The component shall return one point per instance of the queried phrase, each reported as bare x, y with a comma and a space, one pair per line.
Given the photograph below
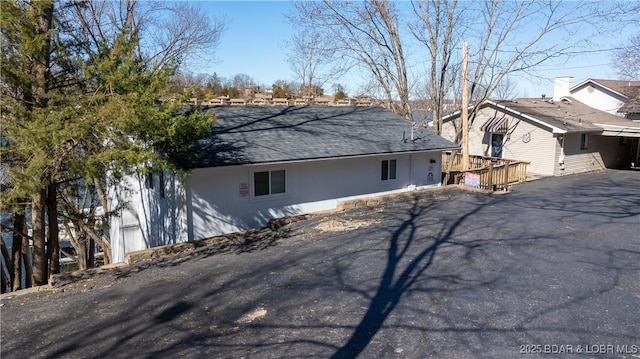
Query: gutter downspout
561, 158
412, 184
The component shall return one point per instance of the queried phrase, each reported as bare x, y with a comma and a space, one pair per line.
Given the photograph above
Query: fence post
490, 176
507, 168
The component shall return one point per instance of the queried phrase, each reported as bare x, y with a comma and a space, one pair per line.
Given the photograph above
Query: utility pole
465, 111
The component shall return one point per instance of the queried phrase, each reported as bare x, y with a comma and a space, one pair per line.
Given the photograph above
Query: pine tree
76, 107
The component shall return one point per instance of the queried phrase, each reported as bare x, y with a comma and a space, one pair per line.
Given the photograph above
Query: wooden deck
488, 173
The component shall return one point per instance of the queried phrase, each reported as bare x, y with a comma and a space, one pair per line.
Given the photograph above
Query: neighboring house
264, 162
631, 109
617, 97
556, 137
260, 102
324, 100
237, 102
219, 101
279, 101
349, 101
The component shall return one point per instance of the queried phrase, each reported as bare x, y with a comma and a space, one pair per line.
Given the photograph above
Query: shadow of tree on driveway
395, 281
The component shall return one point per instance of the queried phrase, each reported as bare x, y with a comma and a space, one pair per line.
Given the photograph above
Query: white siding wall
215, 201
147, 219
599, 98
216, 205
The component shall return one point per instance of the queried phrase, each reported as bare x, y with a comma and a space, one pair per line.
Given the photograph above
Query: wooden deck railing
486, 172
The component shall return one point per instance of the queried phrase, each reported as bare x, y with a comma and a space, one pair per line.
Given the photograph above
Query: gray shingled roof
573, 116
570, 117
267, 134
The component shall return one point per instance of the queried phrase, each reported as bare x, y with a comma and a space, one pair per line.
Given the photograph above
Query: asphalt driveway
550, 268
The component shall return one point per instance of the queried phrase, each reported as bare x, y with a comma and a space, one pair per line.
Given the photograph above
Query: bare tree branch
628, 58
364, 33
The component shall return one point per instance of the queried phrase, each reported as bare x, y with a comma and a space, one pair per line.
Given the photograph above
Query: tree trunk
40, 265
81, 254
91, 255
53, 245
40, 92
5, 283
19, 224
105, 209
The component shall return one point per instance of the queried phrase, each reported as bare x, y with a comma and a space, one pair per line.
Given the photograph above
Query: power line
573, 67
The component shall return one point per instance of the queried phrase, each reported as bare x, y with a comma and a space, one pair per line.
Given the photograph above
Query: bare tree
311, 61
505, 90
366, 34
628, 58
505, 37
170, 30
436, 27
242, 81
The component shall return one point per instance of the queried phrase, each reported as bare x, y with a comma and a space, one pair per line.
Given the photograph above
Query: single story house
557, 137
265, 162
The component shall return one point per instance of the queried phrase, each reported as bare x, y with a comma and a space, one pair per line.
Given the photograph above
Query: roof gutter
625, 129
555, 130
331, 158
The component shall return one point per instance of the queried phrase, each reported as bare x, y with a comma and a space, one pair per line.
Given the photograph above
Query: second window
388, 170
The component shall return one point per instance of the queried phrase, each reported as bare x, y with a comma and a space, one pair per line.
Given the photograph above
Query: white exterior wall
216, 201
217, 206
147, 218
599, 98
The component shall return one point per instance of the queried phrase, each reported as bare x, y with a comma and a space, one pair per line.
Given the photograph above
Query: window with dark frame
584, 141
388, 170
623, 141
155, 181
267, 183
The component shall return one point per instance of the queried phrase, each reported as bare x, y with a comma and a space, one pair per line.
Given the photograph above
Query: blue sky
255, 44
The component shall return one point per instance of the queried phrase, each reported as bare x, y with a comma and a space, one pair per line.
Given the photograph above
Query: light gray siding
219, 200
579, 160
525, 141
602, 152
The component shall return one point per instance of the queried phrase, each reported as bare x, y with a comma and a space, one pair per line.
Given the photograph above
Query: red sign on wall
244, 189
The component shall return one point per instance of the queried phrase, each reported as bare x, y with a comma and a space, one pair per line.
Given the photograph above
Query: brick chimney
561, 87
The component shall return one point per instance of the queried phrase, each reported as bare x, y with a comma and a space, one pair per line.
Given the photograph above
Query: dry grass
253, 315
338, 225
